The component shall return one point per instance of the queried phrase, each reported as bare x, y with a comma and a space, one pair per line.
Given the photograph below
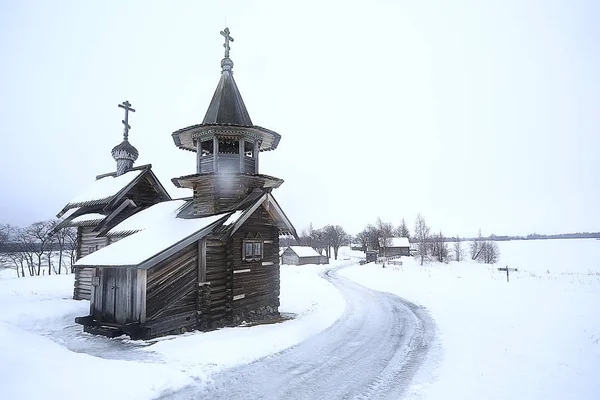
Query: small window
229, 146
258, 250
249, 249
248, 149
206, 148
92, 249
253, 250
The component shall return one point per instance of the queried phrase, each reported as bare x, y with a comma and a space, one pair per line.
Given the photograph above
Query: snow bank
537, 337
38, 338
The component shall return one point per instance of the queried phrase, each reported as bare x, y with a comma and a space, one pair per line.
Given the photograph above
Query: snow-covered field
43, 354
537, 337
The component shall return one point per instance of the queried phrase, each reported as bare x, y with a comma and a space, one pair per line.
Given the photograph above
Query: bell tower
227, 146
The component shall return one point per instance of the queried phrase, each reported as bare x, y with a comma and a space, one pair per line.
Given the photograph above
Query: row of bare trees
428, 245
37, 248
325, 239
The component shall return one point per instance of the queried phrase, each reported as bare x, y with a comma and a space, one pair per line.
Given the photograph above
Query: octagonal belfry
227, 146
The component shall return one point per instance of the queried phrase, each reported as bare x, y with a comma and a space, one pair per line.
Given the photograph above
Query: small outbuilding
397, 246
302, 255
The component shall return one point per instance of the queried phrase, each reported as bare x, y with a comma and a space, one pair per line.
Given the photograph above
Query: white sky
474, 113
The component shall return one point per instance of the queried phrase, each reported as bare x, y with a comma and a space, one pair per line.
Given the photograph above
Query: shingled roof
227, 105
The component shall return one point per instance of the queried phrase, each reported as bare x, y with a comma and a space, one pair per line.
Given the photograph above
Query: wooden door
113, 299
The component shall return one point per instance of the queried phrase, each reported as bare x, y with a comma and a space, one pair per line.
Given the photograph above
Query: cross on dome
228, 38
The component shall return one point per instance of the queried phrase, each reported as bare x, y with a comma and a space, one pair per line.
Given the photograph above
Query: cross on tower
228, 38
127, 106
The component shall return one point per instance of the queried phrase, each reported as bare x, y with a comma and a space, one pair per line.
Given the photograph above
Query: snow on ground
537, 337
39, 339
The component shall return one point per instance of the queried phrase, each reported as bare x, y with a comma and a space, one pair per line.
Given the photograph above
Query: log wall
218, 192
255, 284
219, 281
171, 292
86, 240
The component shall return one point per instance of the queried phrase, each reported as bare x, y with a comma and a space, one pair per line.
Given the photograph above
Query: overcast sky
473, 113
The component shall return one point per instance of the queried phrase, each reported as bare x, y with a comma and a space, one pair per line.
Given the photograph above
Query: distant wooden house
302, 255
396, 246
202, 262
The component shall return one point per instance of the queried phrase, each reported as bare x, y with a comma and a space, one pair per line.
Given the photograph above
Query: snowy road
371, 352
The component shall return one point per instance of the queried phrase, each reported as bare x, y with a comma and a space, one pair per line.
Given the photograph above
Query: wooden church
164, 266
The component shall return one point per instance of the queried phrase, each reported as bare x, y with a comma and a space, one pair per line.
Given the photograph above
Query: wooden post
255, 156
242, 156
507, 271
198, 156
215, 154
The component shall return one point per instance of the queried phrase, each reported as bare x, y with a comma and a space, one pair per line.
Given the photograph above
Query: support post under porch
242, 155
198, 156
215, 154
255, 155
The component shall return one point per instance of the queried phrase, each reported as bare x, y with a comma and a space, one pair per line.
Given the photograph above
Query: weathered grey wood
241, 156
215, 154
143, 286
255, 156
202, 260
140, 280
198, 156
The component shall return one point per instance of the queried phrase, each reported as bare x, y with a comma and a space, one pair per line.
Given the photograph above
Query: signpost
507, 271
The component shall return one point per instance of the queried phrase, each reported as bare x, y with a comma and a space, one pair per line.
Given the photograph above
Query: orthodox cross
127, 106
228, 38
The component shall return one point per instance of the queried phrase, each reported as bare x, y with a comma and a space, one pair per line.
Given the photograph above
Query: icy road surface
371, 352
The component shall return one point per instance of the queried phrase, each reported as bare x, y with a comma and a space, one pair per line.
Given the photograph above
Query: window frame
258, 250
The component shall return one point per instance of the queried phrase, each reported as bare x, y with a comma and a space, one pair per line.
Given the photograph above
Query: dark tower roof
226, 114
227, 106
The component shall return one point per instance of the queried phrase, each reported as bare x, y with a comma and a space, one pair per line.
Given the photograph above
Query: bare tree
40, 240
372, 235
439, 248
61, 239
421, 237
385, 232
490, 253
71, 240
458, 251
476, 246
336, 237
402, 230
21, 254
484, 251
319, 241
362, 239
6, 232
306, 236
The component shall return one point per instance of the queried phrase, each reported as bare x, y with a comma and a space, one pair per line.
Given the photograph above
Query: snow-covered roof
399, 242
70, 212
148, 217
86, 218
104, 188
234, 218
304, 251
158, 236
